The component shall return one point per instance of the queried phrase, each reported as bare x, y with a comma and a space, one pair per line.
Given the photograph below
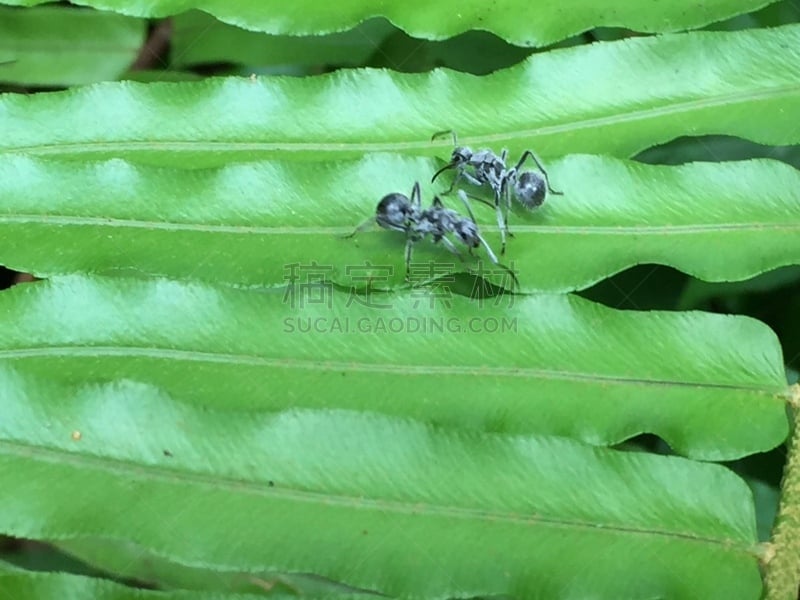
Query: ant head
467, 231
461, 155
530, 189
393, 212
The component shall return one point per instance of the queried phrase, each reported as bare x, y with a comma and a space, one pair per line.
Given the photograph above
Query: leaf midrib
621, 229
483, 140
152, 472
382, 368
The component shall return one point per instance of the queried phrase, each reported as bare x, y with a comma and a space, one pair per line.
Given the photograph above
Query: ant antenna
449, 165
363, 227
446, 131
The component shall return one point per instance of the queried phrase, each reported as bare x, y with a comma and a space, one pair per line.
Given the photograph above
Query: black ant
399, 213
528, 187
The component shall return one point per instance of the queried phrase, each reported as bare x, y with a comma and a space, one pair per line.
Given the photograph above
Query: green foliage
374, 43
616, 98
520, 22
216, 394
254, 351
226, 43
221, 224
60, 46
556, 504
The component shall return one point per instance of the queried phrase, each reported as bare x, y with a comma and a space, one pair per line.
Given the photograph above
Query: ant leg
462, 195
488, 249
415, 195
409, 246
530, 154
452, 248
513, 275
478, 198
500, 224
471, 178
508, 209
481, 200
493, 258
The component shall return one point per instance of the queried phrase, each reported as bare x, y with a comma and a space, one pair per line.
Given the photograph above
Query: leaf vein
383, 368
63, 220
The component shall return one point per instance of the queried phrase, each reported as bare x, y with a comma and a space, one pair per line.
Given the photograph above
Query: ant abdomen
530, 190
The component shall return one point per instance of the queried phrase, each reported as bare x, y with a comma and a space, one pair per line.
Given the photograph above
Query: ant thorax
489, 168
436, 221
